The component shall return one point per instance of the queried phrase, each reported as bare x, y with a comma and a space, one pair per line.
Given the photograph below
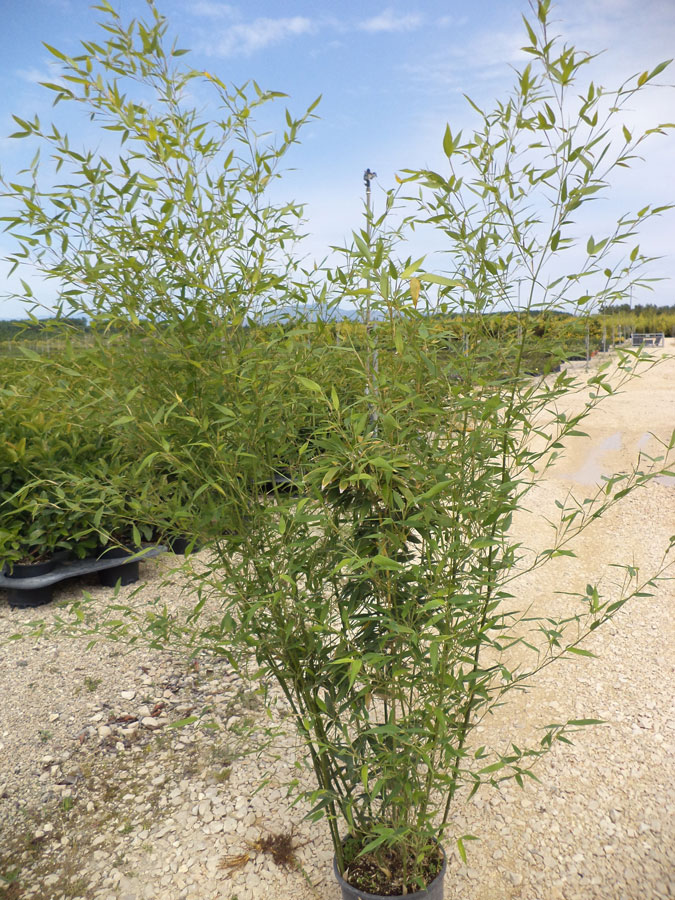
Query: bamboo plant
384, 600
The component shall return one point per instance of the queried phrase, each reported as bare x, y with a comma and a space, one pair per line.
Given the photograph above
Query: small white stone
127, 695
149, 722
252, 881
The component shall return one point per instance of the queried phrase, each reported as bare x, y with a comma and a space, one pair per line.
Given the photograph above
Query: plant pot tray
37, 590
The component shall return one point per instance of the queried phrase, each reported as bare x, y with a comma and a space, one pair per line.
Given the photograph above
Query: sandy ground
100, 799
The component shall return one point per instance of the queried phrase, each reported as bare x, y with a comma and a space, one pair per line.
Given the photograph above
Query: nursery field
101, 798
108, 438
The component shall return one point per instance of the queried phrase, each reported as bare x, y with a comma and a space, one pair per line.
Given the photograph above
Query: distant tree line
10, 329
638, 309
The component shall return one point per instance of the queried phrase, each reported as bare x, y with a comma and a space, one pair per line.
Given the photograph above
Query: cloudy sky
391, 76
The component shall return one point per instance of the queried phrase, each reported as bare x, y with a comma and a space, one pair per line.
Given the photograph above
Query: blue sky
391, 76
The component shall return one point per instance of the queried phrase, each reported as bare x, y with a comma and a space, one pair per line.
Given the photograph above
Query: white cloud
246, 38
475, 64
64, 6
34, 76
210, 10
389, 21
50, 71
629, 41
452, 21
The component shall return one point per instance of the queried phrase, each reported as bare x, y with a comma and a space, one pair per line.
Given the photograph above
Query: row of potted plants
69, 486
87, 460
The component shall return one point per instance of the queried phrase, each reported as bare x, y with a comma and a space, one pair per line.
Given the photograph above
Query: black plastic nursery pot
29, 599
180, 544
282, 483
31, 570
115, 564
118, 552
22, 597
433, 891
125, 573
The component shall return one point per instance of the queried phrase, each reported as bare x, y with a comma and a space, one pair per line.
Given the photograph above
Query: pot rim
28, 570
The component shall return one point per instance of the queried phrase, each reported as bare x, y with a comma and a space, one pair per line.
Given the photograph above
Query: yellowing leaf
415, 287
329, 476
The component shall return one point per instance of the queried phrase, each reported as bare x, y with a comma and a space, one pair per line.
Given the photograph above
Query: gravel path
100, 799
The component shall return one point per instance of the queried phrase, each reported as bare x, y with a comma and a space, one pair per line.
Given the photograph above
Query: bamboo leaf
415, 287
427, 278
411, 269
309, 384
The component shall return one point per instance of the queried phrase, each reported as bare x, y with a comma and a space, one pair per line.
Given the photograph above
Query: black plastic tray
37, 590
